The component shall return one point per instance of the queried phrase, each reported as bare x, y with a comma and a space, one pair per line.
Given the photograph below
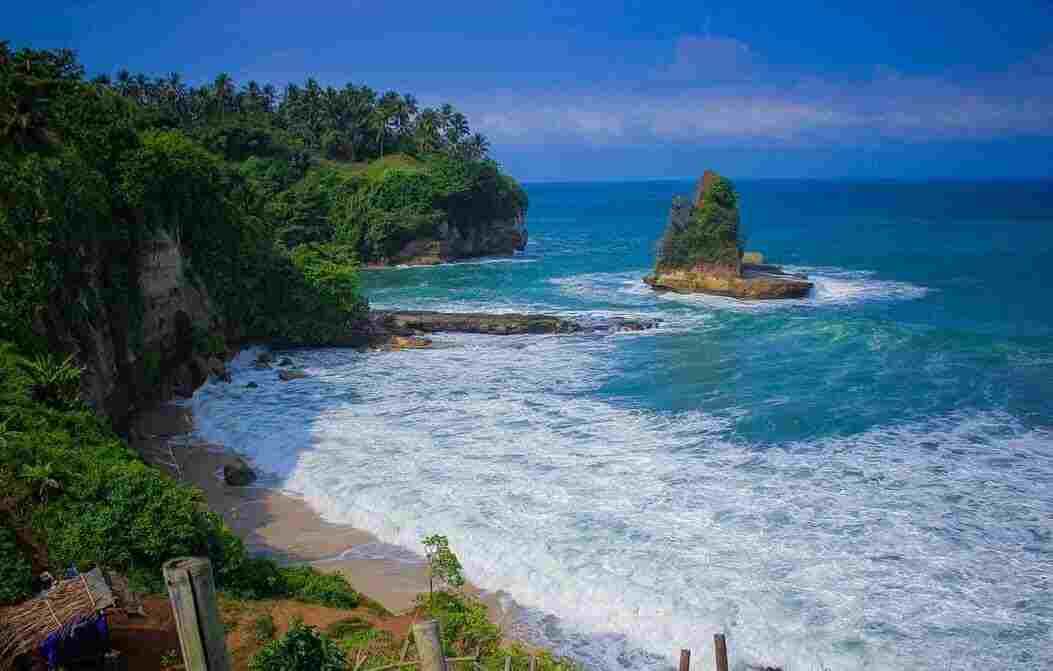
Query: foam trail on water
628, 534
833, 286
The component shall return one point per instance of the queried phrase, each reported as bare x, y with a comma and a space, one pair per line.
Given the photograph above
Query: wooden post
193, 597
533, 663
685, 660
429, 646
508, 663
720, 646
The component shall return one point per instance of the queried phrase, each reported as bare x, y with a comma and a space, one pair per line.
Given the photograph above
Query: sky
636, 90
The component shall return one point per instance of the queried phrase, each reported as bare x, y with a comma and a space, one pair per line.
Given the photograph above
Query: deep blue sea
862, 479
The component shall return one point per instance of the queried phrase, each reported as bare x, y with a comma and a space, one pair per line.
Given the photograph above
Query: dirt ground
151, 643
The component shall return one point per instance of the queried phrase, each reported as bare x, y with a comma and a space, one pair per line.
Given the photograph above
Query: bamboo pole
429, 646
193, 596
685, 660
720, 647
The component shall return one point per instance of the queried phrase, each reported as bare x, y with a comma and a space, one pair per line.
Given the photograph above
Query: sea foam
626, 534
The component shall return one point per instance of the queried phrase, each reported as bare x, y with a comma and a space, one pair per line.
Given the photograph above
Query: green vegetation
263, 628
328, 589
301, 649
443, 564
16, 577
707, 235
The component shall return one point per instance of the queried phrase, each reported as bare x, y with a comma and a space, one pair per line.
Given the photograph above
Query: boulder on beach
238, 473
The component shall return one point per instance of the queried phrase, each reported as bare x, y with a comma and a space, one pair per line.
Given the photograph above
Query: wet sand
270, 521
282, 526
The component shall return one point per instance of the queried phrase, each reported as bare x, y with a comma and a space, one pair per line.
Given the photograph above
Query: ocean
861, 479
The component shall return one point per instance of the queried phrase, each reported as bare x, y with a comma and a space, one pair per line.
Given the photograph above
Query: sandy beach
272, 522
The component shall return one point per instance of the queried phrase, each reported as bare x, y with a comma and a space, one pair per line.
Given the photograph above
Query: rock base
757, 282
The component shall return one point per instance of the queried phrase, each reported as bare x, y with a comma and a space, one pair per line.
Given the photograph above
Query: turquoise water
859, 479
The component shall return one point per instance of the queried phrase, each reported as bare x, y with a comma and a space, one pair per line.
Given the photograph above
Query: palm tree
383, 114
427, 131
124, 81
477, 147
223, 92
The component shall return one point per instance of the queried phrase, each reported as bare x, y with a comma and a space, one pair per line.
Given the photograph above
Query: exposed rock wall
495, 238
134, 353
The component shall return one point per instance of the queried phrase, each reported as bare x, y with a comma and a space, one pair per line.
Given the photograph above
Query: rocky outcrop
701, 250
452, 242
387, 327
238, 473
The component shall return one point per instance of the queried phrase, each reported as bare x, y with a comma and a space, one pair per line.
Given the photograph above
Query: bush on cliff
707, 235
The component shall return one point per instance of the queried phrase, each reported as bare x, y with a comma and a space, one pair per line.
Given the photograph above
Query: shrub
304, 583
464, 621
16, 576
301, 649
443, 564
263, 628
55, 382
349, 627
333, 271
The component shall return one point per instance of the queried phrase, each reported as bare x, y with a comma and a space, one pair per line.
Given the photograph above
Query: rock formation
701, 250
452, 242
133, 354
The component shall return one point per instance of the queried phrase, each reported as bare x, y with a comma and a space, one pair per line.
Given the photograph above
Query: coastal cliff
451, 242
166, 342
701, 250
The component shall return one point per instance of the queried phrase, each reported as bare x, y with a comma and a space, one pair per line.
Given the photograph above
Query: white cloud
805, 110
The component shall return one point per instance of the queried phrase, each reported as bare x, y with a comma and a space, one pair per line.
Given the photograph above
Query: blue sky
625, 90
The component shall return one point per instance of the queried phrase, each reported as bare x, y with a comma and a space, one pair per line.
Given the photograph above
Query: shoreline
277, 524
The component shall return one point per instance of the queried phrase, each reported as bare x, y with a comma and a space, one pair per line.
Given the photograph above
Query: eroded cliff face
496, 238
135, 353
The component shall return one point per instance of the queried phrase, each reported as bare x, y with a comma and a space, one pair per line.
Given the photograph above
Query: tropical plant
55, 382
39, 476
443, 565
302, 648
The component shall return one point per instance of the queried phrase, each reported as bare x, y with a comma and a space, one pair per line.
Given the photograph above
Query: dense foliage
302, 648
307, 151
16, 577
707, 235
